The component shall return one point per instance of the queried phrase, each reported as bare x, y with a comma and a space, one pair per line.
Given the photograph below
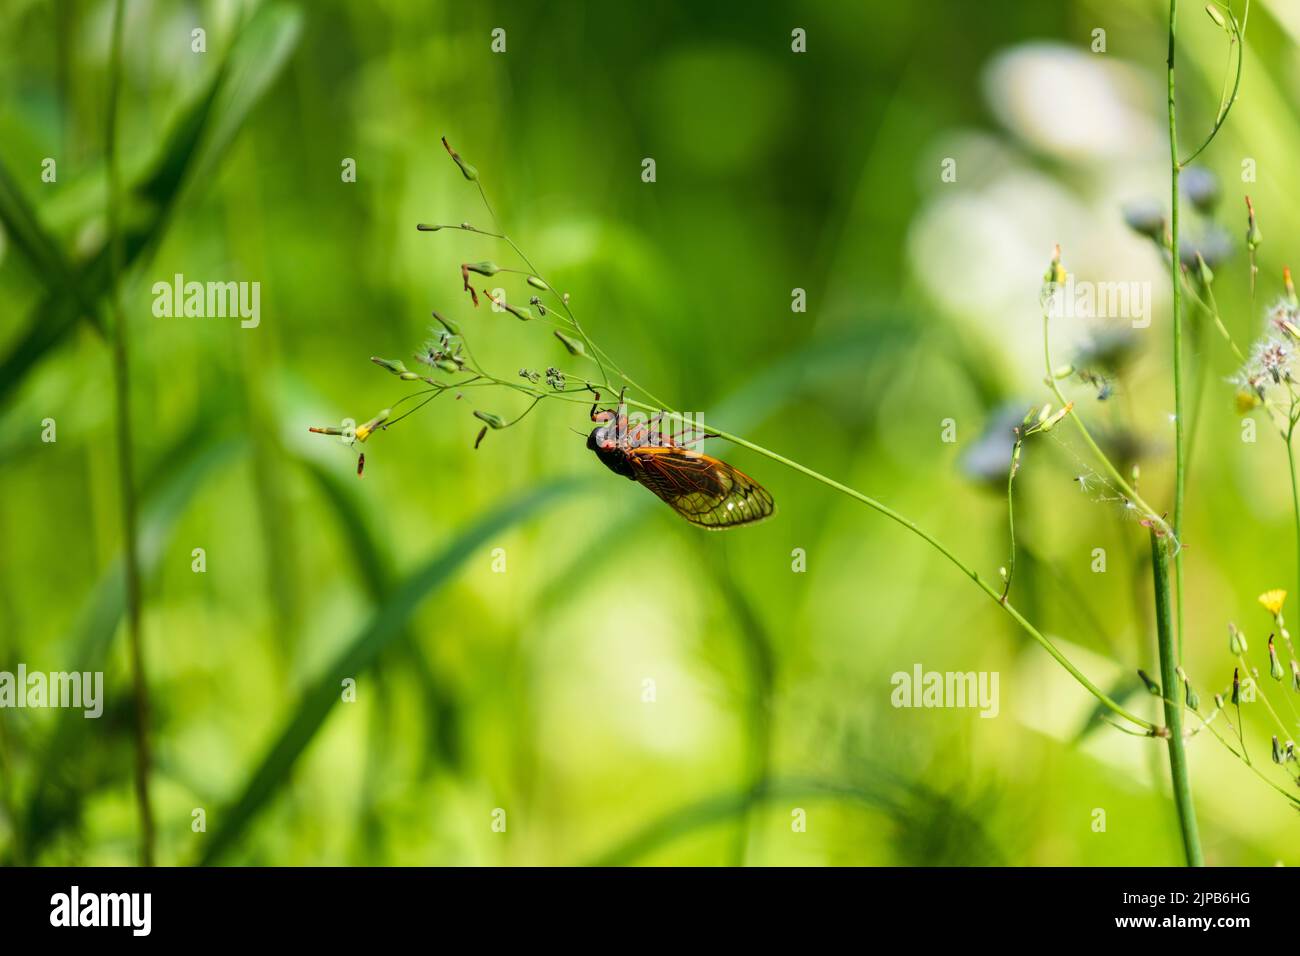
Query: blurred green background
525, 690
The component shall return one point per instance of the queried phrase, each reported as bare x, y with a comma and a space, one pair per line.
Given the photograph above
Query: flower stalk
1173, 729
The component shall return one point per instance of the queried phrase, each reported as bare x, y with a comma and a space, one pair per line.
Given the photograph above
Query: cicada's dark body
704, 490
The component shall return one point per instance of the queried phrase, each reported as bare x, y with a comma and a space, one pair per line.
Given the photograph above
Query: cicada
702, 489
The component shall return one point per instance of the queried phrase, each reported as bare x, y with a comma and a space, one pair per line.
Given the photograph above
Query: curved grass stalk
595, 353
957, 562
1237, 40
484, 379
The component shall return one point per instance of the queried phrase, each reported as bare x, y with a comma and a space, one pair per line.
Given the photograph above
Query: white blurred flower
1072, 104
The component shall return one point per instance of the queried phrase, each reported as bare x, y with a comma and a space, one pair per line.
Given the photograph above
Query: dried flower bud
466, 169
1277, 750
1152, 687
1253, 236
1236, 687
500, 302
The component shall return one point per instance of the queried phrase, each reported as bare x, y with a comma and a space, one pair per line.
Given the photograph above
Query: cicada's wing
702, 489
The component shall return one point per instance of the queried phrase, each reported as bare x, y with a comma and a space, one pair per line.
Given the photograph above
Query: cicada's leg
599, 414
622, 415
660, 437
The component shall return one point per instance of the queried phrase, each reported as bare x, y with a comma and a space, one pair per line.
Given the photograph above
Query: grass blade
191, 153
375, 574
382, 629
727, 806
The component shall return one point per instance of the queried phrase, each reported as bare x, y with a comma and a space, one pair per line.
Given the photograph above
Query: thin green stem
1212, 308
126, 470
593, 353
966, 570
1169, 679
1259, 689
1205, 723
1175, 267
888, 512
565, 305
1241, 728
1237, 40
596, 354
1200, 367
1124, 487
1011, 515
1295, 501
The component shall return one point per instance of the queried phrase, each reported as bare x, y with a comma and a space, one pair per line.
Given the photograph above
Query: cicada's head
600, 439
603, 442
